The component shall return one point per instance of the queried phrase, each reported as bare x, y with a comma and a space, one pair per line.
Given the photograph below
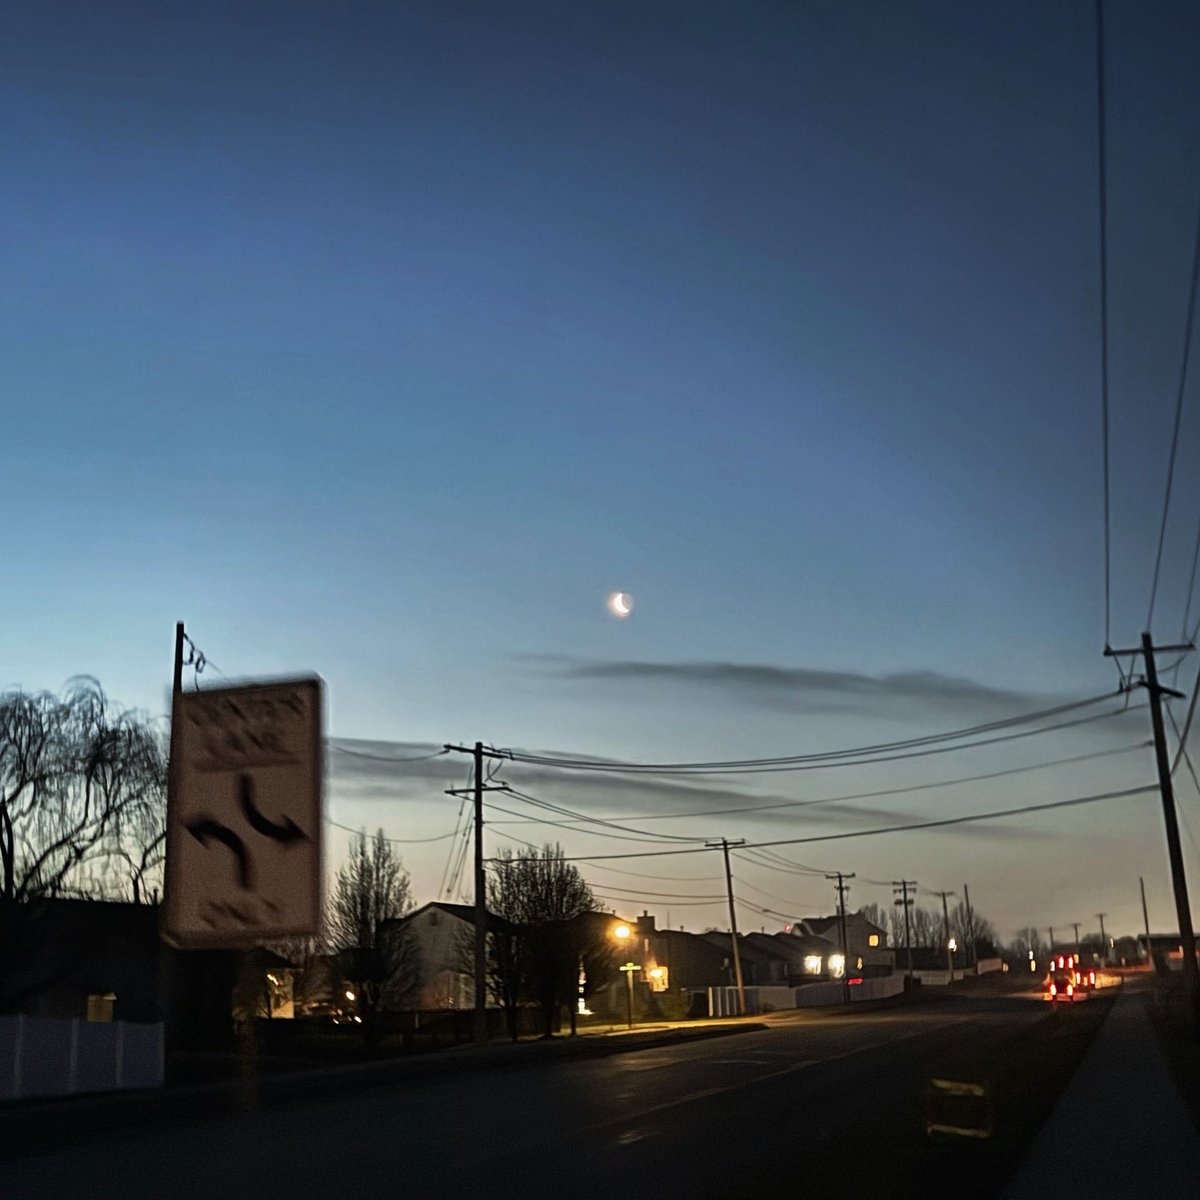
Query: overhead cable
878, 752
934, 824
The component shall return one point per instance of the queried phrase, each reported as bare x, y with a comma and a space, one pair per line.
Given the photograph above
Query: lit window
100, 1007
873, 940
812, 964
837, 966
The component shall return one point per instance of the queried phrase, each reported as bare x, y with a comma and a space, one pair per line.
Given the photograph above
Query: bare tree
541, 895
76, 781
876, 914
371, 891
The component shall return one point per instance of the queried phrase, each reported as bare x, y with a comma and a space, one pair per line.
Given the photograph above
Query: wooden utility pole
1187, 936
476, 790
1146, 919
905, 901
724, 843
971, 930
481, 1029
842, 889
946, 931
1075, 926
1051, 939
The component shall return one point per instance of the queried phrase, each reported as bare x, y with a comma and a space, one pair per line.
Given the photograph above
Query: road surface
742, 1115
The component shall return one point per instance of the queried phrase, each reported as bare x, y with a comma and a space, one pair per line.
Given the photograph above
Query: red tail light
852, 982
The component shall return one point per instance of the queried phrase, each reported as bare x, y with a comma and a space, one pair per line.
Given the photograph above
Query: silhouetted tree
79, 784
540, 894
372, 889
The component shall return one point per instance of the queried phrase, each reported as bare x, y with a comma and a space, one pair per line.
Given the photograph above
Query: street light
623, 933
629, 969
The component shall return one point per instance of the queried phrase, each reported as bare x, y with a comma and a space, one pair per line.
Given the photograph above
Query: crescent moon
621, 603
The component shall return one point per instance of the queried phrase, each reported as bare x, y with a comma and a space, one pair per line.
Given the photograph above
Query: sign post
244, 815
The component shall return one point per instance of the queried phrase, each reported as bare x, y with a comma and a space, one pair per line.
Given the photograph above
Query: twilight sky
383, 340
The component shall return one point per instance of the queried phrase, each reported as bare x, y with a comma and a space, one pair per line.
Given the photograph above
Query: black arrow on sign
205, 827
289, 831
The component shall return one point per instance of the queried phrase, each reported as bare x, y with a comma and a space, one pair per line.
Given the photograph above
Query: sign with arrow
244, 815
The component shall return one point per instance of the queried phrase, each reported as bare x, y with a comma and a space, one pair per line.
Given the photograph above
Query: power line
799, 763
895, 791
785, 762
1183, 372
397, 841
674, 903
567, 812
576, 828
643, 875
1187, 607
333, 745
768, 858
636, 892
935, 824
1102, 175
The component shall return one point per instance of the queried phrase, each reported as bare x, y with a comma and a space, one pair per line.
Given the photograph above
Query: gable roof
462, 912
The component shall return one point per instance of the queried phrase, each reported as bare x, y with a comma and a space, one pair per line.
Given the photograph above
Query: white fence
723, 1001
41, 1056
879, 987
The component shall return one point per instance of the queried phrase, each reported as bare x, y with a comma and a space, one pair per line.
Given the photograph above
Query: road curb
31, 1126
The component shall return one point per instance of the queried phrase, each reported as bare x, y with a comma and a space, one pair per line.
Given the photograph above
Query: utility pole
842, 889
1051, 938
946, 920
481, 1030
725, 843
1191, 979
1146, 918
971, 930
902, 886
177, 682
1103, 939
478, 754
1075, 926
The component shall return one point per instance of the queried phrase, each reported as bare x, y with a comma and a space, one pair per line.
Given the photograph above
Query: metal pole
1103, 939
481, 1029
629, 993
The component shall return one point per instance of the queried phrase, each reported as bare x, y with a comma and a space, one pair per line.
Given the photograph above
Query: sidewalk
1120, 1128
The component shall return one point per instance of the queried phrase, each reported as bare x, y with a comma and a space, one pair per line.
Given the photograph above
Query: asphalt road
735, 1116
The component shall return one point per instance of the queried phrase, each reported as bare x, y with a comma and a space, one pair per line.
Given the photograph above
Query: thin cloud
796, 686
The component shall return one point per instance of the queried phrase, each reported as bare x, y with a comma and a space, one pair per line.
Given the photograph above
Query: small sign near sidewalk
244, 814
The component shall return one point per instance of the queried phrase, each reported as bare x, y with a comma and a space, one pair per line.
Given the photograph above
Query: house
442, 940
866, 943
813, 958
100, 960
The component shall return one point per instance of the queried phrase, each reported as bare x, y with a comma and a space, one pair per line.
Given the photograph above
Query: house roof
806, 943
463, 912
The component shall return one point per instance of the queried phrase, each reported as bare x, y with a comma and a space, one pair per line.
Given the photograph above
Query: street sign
244, 815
